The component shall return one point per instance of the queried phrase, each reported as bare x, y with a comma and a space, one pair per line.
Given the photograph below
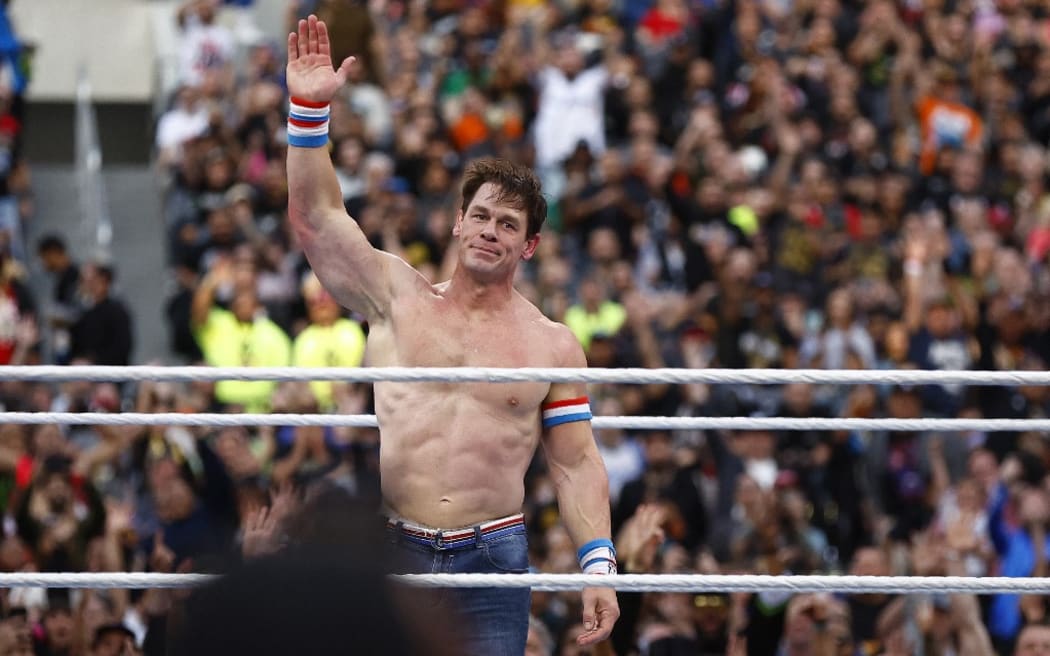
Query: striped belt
457, 538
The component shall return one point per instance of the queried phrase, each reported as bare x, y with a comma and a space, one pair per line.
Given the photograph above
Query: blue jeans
493, 621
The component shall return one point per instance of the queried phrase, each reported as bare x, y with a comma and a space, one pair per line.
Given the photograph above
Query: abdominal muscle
451, 457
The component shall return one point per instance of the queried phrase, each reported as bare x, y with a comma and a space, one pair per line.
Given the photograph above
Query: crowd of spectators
733, 183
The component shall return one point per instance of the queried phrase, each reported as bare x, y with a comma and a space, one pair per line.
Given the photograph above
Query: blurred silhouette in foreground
326, 591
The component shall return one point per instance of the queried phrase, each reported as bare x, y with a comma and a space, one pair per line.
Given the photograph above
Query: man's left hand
600, 611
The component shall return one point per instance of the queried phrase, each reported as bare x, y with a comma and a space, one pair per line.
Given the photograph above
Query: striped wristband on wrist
307, 123
597, 557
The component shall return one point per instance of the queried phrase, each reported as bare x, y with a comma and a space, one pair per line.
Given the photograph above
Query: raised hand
163, 558
260, 529
640, 537
310, 74
284, 503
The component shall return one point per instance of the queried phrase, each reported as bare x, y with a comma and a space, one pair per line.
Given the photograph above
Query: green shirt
226, 342
340, 345
585, 325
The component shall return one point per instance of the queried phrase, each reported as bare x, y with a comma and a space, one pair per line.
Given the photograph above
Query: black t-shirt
103, 334
65, 291
864, 615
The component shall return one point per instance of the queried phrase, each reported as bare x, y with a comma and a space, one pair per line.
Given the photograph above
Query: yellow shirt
607, 320
227, 342
340, 345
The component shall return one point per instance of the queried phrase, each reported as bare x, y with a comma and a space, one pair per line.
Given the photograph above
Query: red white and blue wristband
597, 557
568, 410
307, 123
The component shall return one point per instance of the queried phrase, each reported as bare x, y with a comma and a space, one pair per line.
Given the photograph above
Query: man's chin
483, 269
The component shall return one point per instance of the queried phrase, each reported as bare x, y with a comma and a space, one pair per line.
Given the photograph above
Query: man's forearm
313, 189
583, 500
203, 299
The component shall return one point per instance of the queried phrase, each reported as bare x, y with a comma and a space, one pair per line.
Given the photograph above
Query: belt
460, 537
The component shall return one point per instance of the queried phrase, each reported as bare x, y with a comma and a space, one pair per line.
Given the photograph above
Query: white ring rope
55, 373
739, 583
622, 582
100, 580
609, 422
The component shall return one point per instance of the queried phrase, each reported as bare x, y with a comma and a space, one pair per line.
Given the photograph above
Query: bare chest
428, 335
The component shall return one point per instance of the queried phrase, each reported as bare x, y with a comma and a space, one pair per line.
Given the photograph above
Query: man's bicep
355, 273
566, 445
566, 411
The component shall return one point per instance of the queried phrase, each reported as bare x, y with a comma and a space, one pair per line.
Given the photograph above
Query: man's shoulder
563, 346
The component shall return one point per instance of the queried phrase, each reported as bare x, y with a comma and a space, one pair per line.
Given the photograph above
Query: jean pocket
509, 555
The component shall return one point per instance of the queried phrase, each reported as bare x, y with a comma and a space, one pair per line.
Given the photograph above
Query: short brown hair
519, 187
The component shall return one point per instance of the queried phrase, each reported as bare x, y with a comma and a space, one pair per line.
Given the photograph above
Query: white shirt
179, 125
202, 48
569, 111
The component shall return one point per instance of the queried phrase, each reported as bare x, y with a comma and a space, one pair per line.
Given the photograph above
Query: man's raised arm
356, 274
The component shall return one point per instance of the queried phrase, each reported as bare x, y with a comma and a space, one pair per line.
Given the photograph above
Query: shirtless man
454, 455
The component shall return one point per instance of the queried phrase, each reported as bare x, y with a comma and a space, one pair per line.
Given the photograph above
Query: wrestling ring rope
553, 582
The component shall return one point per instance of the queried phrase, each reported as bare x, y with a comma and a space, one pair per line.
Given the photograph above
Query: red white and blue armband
563, 412
307, 123
597, 557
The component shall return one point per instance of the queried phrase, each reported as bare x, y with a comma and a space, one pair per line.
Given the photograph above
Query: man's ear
458, 224
530, 246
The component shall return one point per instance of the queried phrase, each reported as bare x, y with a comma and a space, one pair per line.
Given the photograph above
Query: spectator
114, 640
18, 327
570, 105
240, 336
206, 50
186, 119
663, 480
63, 309
596, 314
329, 340
103, 332
1034, 640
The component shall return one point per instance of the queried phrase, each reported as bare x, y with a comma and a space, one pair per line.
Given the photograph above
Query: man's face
59, 628
869, 562
92, 283
58, 492
51, 259
940, 321
1034, 641
492, 235
15, 638
244, 306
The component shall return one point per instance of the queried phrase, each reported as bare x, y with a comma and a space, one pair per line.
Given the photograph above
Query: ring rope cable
96, 373
565, 582
599, 423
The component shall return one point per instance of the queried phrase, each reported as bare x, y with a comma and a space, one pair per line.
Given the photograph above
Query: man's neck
479, 295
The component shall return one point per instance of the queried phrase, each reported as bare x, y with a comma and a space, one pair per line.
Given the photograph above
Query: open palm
310, 73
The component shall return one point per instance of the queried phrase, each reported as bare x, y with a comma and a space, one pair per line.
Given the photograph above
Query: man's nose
489, 231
